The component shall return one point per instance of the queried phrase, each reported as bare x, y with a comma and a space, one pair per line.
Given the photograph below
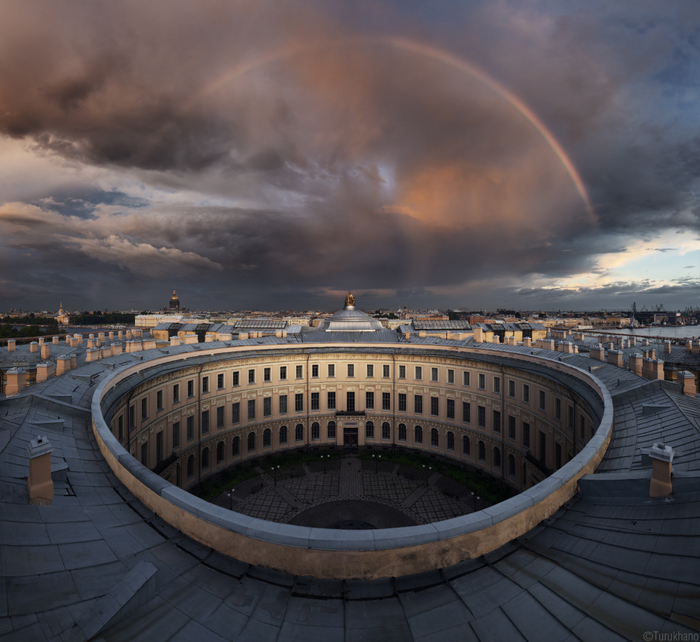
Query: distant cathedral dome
350, 320
174, 302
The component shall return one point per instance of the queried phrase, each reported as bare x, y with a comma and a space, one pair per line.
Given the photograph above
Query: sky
273, 155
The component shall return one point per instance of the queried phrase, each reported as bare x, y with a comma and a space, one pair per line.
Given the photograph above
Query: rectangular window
434, 406
205, 384
176, 434
369, 400
542, 400
402, 402
331, 430
251, 409
314, 371
220, 381
557, 408
351, 370
220, 417
144, 408
299, 402
497, 384
466, 412
159, 400
402, 432
315, 401
236, 379
159, 447
496, 421
283, 373
386, 430
386, 372
511, 388
450, 408
526, 393
450, 376
370, 370
386, 401
300, 372
283, 404
511, 427
267, 375
331, 401
482, 417
402, 372
350, 401
433, 374
315, 430
205, 422
267, 407
236, 413
418, 404
419, 373
482, 381
526, 434
543, 447
120, 427
190, 388
176, 393
369, 430
466, 378
331, 370
251, 375
190, 428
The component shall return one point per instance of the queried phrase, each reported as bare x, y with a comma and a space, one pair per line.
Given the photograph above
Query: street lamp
427, 473
230, 498
324, 457
274, 472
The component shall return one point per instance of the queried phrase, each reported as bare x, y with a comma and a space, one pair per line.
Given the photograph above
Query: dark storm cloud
345, 165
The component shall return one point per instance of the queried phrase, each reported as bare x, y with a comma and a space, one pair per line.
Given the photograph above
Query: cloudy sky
252, 154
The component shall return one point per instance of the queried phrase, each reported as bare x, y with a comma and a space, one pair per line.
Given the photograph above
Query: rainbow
417, 48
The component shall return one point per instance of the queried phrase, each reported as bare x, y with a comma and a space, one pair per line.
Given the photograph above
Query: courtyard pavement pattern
609, 565
350, 479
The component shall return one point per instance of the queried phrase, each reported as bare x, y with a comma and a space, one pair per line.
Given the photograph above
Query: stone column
39, 482
687, 380
661, 483
44, 370
11, 345
16, 381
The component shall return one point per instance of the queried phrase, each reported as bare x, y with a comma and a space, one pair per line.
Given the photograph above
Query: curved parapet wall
327, 553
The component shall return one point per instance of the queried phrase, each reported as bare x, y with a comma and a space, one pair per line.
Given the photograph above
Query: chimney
661, 458
39, 482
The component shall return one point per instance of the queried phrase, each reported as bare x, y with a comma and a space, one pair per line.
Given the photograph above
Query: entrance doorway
350, 436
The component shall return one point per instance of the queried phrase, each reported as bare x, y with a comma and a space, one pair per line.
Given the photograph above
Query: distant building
174, 302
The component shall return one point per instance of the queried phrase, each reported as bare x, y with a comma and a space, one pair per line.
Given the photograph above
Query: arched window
482, 451
219, 452
434, 437
190, 466
283, 435
251, 441
236, 446
369, 430
267, 437
497, 457
511, 466
386, 430
315, 430
418, 435
402, 432
450, 441
466, 446
205, 458
299, 432
331, 430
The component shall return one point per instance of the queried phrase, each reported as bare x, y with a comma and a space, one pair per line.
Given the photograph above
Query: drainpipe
308, 404
393, 383
503, 423
199, 424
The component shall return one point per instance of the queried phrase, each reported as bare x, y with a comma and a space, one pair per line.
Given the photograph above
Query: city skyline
253, 156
